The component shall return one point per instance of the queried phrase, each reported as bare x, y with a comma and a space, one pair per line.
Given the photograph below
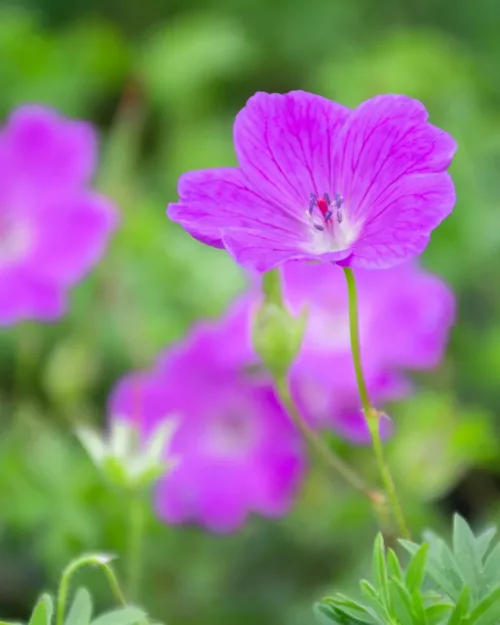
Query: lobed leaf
330, 613
401, 604
486, 611
393, 566
415, 572
466, 554
483, 542
380, 570
434, 569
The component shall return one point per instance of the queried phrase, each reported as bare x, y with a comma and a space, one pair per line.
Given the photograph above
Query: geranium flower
237, 451
362, 188
53, 228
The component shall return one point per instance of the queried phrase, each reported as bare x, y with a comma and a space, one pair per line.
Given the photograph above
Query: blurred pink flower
405, 316
238, 452
316, 180
53, 229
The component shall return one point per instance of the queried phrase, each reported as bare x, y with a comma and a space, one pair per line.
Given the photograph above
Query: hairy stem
85, 560
371, 415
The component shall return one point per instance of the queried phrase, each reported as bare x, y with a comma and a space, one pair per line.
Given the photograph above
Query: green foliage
80, 613
440, 585
52, 611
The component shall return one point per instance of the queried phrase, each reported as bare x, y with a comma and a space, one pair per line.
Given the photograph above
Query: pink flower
362, 187
238, 452
405, 315
53, 229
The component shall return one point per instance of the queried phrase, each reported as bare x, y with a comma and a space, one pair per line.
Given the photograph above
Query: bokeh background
162, 80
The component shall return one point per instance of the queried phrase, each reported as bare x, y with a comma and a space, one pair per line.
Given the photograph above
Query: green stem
135, 540
320, 447
114, 585
371, 415
70, 570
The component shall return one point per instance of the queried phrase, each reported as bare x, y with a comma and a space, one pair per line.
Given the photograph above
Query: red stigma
323, 206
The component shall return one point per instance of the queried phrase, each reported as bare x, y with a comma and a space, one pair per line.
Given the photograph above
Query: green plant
440, 585
52, 611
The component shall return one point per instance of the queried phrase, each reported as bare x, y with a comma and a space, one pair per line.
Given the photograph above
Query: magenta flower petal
53, 229
284, 145
318, 181
256, 250
24, 296
48, 153
238, 451
137, 395
414, 330
389, 165
214, 200
71, 235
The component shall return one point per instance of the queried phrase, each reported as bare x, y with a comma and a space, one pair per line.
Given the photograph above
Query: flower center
324, 212
332, 230
231, 434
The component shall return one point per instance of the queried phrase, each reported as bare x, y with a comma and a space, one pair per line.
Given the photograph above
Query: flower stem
320, 447
135, 540
99, 560
371, 415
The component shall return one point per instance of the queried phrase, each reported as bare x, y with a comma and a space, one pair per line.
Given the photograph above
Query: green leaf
42, 613
401, 604
353, 608
484, 541
486, 612
434, 569
436, 614
380, 569
465, 550
123, 616
393, 566
330, 613
418, 607
80, 612
415, 572
449, 566
373, 599
491, 570
461, 607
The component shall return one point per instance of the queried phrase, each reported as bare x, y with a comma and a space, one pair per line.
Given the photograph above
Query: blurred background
163, 80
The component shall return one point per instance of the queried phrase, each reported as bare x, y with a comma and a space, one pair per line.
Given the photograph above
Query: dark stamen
326, 207
312, 203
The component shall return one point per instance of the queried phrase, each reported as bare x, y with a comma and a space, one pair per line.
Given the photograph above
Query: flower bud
276, 334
